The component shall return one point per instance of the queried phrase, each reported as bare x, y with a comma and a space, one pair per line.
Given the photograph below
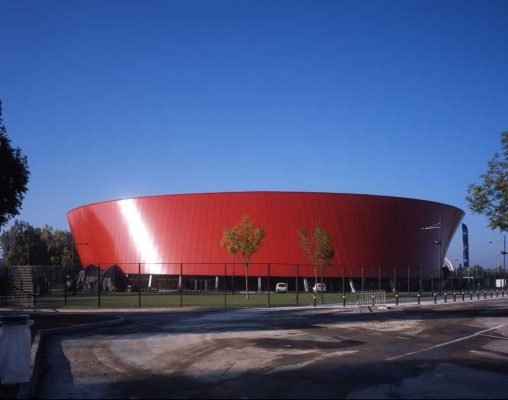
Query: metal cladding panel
368, 231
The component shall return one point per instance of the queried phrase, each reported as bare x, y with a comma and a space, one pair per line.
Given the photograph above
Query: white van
281, 287
319, 287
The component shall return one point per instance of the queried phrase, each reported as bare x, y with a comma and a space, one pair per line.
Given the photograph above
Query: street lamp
502, 253
438, 242
504, 260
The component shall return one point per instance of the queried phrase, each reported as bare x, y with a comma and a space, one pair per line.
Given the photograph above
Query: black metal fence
179, 285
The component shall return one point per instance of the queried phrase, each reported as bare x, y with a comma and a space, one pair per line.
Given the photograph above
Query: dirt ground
451, 351
46, 320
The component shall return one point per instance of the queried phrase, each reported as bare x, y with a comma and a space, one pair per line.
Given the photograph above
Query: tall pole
65, 283
322, 299
343, 286
438, 242
233, 275
296, 284
99, 285
139, 285
73, 270
504, 260
440, 265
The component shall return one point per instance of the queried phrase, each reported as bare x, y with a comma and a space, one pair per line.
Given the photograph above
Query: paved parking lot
457, 350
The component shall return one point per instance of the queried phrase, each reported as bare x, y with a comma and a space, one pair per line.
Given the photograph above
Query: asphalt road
457, 350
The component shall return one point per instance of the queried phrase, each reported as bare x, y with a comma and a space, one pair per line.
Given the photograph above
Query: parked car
319, 287
281, 287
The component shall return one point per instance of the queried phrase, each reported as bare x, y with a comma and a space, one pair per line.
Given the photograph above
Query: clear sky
110, 99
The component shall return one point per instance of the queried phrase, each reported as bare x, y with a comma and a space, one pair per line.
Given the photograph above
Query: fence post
453, 272
139, 285
268, 277
181, 284
233, 276
34, 283
432, 280
99, 285
363, 280
378, 278
296, 284
343, 286
225, 288
395, 279
322, 299
65, 283
421, 281
408, 280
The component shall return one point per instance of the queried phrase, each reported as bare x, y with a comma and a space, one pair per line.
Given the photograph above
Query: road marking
444, 344
495, 336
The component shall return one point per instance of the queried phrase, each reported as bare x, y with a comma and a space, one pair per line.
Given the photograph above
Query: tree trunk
247, 281
315, 278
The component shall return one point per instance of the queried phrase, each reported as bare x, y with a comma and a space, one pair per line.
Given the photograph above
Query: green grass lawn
154, 299
129, 300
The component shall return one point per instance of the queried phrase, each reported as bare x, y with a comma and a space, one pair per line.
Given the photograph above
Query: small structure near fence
371, 298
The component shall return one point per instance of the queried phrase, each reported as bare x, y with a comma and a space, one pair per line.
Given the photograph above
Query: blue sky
129, 98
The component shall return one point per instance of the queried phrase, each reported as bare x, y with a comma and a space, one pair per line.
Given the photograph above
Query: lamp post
504, 260
438, 242
501, 253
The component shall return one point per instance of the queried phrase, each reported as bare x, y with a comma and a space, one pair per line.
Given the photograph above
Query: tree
317, 245
59, 245
490, 197
244, 239
14, 175
22, 244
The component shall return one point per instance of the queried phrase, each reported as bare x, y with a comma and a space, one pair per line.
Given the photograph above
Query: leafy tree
490, 197
243, 238
317, 245
22, 244
59, 245
14, 175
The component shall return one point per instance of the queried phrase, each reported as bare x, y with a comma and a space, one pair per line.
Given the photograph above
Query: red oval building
163, 232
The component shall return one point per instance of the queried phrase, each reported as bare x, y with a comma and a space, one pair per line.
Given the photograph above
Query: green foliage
24, 244
245, 239
59, 245
14, 176
230, 241
317, 245
490, 197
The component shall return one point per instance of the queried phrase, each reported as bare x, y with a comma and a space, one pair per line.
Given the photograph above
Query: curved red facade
163, 231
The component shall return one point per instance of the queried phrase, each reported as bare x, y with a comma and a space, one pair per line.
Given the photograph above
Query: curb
27, 389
